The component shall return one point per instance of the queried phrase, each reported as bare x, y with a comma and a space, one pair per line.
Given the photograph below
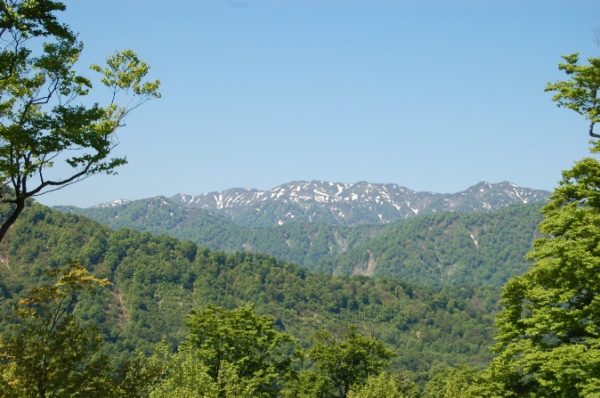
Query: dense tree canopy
48, 353
549, 330
383, 385
348, 361
477, 248
157, 281
47, 114
243, 344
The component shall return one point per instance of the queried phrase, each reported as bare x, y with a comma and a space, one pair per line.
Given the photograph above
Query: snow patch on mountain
343, 203
114, 203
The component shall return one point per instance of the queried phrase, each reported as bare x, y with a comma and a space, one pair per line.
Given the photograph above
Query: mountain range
345, 204
424, 282
483, 238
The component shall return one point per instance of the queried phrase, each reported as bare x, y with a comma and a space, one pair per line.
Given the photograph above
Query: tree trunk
20, 205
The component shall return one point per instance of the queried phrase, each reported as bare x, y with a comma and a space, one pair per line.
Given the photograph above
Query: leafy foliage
44, 112
549, 329
347, 362
187, 378
47, 352
383, 385
580, 92
548, 341
450, 383
255, 351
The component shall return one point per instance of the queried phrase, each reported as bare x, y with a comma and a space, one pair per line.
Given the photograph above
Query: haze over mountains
346, 204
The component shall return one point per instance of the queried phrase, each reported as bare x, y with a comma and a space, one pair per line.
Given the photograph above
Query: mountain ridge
344, 203
438, 248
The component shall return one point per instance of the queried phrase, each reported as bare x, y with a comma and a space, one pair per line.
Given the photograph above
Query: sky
431, 95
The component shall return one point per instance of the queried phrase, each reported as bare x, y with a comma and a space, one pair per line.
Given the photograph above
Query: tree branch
591, 131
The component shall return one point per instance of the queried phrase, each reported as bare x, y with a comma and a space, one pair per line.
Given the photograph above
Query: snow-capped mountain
316, 224
358, 203
329, 203
114, 203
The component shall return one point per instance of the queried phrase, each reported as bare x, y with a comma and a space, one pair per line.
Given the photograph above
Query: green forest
430, 250
501, 304
157, 281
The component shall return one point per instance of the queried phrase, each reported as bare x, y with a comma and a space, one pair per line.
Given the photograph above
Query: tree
48, 353
548, 342
242, 342
140, 374
450, 383
307, 384
46, 113
383, 385
348, 361
579, 93
187, 377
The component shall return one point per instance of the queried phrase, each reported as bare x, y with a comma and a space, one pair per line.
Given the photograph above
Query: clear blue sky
432, 95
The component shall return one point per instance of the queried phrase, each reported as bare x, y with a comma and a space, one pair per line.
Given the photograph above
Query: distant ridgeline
476, 236
157, 280
342, 204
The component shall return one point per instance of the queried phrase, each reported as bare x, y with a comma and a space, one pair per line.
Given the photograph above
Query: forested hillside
306, 244
466, 248
157, 281
449, 248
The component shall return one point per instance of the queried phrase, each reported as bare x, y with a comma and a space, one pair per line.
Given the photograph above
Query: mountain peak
114, 203
352, 203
